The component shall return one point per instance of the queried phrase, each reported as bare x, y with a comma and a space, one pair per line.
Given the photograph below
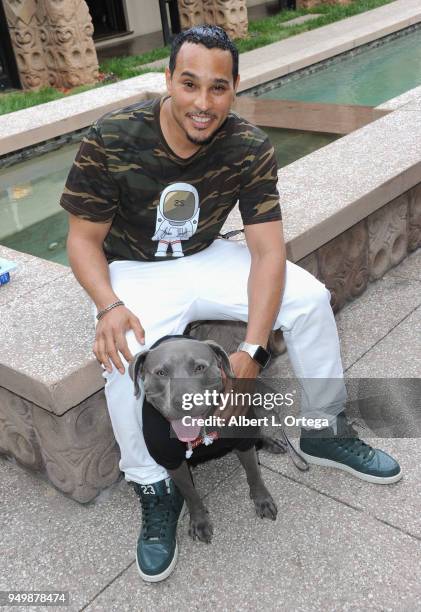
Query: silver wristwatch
256, 352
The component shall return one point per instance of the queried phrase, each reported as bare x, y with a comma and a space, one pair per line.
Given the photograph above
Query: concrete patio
338, 543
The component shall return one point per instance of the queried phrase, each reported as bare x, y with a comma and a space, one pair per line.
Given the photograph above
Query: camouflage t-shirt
161, 205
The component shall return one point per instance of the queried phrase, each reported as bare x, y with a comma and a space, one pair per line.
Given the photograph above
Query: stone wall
368, 249
52, 41
229, 14
346, 264
77, 452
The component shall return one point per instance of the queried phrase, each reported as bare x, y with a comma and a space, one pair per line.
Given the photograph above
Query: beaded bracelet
110, 307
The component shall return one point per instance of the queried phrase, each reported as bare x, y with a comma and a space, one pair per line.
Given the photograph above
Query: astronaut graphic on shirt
177, 217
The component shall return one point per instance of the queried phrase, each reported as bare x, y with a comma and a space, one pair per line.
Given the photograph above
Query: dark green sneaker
162, 509
345, 451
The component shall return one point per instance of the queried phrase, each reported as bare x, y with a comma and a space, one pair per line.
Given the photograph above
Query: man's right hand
87, 259
110, 337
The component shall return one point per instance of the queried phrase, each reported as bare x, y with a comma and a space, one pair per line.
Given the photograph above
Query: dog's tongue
185, 433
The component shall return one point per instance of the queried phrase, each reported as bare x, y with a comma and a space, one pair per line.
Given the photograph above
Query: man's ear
223, 358
136, 369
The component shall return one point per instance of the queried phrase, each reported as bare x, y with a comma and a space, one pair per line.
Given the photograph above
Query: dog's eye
199, 368
161, 373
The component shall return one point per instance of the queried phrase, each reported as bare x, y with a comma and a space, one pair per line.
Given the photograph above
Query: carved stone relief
191, 13
388, 238
343, 265
414, 218
310, 264
52, 41
77, 451
229, 14
229, 334
17, 436
25, 33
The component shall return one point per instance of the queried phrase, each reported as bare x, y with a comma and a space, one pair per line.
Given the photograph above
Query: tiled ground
338, 544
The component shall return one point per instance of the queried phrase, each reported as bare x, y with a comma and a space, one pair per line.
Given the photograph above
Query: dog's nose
177, 391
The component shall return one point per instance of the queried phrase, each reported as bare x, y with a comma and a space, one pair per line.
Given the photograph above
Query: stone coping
320, 196
283, 57
33, 125
47, 320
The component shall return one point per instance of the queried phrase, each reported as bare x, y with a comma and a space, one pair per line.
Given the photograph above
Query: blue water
369, 78
33, 222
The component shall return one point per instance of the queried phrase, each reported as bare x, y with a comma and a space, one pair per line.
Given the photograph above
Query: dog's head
177, 369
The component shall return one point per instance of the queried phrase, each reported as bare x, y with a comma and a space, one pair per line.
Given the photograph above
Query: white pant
212, 285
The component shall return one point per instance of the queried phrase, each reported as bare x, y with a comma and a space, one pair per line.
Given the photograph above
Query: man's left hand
243, 365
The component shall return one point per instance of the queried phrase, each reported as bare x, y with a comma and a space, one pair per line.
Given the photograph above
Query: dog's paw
201, 528
265, 506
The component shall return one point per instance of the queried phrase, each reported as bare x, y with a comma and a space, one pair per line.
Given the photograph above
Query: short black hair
212, 37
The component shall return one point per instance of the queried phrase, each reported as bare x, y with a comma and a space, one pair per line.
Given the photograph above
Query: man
150, 189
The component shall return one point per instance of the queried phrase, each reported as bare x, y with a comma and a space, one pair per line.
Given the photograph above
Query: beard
201, 141
208, 139
196, 140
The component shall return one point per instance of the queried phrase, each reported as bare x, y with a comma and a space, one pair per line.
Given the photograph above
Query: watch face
261, 356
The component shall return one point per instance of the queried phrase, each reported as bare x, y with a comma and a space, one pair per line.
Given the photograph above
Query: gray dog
166, 370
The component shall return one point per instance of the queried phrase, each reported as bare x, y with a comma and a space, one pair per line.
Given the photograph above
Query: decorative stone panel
191, 13
414, 218
76, 451
387, 236
310, 264
25, 34
343, 265
52, 41
229, 14
17, 436
229, 334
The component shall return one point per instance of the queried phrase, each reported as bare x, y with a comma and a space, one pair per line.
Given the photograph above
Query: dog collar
206, 439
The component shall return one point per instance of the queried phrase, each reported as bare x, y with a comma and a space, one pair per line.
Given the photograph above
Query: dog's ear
136, 368
223, 359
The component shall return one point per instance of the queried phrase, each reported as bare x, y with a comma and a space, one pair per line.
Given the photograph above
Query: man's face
202, 91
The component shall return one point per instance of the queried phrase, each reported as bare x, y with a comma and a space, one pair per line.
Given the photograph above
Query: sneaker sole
170, 568
350, 470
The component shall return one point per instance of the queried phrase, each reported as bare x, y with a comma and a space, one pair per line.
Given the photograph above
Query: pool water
45, 239
32, 220
369, 78
290, 145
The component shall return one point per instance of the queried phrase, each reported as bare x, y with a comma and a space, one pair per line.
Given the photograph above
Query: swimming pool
31, 219
370, 77
33, 222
